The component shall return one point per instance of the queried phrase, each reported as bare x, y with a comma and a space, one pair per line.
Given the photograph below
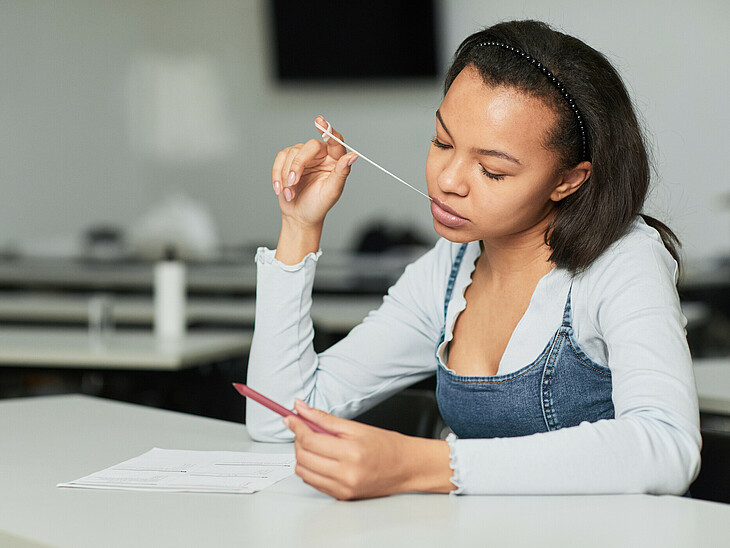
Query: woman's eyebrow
441, 120
481, 151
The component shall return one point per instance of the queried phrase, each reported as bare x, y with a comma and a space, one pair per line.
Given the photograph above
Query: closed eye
491, 175
439, 144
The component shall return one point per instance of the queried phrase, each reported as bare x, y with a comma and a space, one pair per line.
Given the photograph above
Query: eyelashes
494, 176
438, 144
491, 175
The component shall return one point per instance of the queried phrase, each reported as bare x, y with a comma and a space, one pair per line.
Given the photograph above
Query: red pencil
249, 392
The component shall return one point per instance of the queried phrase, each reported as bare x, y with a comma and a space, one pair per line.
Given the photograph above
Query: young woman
548, 310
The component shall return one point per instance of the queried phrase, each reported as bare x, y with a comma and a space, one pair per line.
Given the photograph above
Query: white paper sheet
192, 471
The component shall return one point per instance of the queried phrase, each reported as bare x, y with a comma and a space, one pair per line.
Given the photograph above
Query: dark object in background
713, 483
105, 243
10, 252
336, 40
413, 412
380, 237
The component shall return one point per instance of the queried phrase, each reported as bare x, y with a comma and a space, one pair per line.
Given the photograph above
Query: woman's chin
454, 235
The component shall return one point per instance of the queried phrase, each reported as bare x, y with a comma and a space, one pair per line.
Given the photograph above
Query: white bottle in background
169, 296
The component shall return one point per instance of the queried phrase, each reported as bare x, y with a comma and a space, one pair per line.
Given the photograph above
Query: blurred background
108, 109
135, 129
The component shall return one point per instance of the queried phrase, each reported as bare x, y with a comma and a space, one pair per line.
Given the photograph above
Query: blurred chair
413, 412
713, 483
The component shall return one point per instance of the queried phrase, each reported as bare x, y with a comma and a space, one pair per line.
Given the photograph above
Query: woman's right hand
309, 179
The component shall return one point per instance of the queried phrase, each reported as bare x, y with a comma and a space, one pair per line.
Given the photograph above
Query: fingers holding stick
334, 148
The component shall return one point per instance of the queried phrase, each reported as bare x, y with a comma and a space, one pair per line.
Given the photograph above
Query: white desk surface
329, 312
713, 384
53, 439
138, 349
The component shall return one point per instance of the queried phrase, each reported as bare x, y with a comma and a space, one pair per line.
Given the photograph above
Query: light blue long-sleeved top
626, 316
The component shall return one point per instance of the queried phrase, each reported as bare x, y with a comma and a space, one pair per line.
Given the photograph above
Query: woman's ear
571, 180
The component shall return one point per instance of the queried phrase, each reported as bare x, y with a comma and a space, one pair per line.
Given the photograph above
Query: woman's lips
444, 215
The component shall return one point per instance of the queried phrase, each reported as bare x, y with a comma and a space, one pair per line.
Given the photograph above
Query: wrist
427, 466
297, 240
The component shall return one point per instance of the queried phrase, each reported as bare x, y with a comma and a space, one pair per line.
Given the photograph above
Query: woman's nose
452, 178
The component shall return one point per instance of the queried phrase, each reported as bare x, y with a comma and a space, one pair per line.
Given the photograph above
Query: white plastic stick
328, 135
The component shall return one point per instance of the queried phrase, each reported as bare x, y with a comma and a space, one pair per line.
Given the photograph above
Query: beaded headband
551, 77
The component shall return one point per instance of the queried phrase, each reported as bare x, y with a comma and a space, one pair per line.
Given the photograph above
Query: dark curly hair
588, 221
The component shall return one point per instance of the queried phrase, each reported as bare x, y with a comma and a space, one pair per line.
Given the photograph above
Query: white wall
105, 108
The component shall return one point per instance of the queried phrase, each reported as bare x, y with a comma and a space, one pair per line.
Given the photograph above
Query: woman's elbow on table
675, 463
688, 465
265, 426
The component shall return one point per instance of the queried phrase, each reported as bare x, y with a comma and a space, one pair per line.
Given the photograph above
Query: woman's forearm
281, 358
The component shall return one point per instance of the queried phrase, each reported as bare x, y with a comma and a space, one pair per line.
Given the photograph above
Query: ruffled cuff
454, 464
266, 256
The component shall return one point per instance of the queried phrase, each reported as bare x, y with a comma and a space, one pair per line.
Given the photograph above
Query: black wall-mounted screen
354, 40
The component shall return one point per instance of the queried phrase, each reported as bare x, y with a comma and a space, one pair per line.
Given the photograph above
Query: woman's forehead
474, 107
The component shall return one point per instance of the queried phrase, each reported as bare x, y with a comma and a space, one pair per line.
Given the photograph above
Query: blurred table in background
705, 274
337, 272
713, 385
708, 282
138, 350
193, 374
712, 376
336, 313
45, 346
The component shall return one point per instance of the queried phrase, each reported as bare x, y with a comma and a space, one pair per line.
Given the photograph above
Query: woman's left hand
362, 461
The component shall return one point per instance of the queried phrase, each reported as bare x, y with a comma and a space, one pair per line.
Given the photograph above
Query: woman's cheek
435, 166
430, 169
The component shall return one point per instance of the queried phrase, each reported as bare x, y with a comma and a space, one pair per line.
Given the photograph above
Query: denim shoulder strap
452, 277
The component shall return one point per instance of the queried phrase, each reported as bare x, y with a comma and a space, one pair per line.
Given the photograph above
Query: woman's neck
517, 257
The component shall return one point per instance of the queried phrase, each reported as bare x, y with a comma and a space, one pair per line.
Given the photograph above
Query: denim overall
562, 387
